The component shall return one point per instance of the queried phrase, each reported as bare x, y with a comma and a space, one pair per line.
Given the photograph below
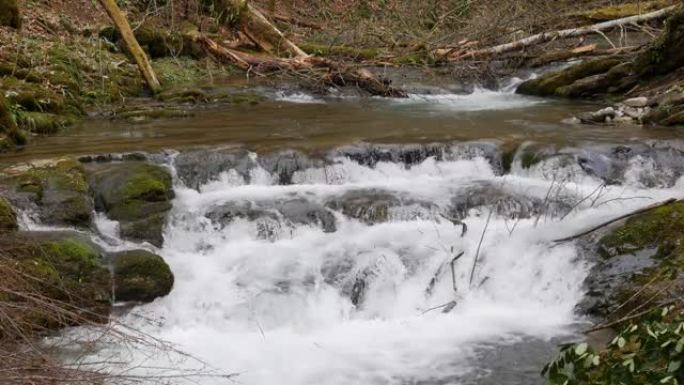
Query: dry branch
335, 73
562, 34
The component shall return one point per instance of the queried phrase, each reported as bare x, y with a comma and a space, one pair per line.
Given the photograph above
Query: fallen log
335, 73
131, 43
264, 34
563, 34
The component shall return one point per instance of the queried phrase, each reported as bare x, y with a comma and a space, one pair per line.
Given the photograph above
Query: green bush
648, 352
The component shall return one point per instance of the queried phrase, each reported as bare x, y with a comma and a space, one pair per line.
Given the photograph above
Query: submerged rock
379, 206
198, 167
66, 267
140, 276
8, 218
270, 215
55, 191
136, 194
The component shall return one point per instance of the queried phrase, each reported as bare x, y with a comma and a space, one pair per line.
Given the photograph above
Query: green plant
647, 352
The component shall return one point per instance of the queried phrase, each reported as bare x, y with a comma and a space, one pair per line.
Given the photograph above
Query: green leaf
621, 342
680, 345
673, 366
581, 348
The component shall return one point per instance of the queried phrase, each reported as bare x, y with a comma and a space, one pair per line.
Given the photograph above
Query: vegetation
648, 352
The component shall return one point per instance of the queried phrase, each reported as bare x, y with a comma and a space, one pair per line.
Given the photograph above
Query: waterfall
337, 271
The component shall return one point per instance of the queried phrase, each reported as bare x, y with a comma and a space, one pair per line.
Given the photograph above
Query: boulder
8, 218
54, 191
638, 102
271, 214
379, 206
140, 276
136, 194
62, 266
636, 262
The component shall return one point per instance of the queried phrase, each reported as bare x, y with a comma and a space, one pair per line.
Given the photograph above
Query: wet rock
8, 218
285, 164
270, 215
198, 167
55, 191
300, 211
636, 260
505, 203
638, 102
67, 267
136, 194
140, 276
604, 115
669, 111
378, 206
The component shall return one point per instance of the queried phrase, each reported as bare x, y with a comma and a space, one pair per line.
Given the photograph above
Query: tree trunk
131, 43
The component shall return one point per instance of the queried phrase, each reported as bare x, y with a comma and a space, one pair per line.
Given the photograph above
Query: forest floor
65, 62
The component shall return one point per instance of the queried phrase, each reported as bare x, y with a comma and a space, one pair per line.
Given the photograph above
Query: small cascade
336, 268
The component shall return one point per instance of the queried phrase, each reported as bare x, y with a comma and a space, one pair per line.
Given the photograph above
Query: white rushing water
277, 308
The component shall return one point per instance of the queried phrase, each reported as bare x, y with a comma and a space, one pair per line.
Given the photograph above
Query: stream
312, 238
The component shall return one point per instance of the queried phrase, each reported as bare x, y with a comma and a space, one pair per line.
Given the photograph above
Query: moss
44, 122
138, 195
180, 72
9, 14
140, 276
66, 267
659, 228
548, 84
31, 96
57, 187
660, 233
666, 53
8, 218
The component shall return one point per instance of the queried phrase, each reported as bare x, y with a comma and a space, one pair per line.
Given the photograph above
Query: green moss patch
9, 14
8, 218
140, 276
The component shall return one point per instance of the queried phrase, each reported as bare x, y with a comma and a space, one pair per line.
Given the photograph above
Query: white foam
278, 310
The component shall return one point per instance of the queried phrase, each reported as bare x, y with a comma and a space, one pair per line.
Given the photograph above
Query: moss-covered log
132, 45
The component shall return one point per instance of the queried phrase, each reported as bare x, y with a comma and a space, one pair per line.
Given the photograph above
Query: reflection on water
300, 121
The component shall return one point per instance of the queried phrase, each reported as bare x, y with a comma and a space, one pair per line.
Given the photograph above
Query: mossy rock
8, 217
140, 276
10, 135
136, 194
55, 190
549, 84
666, 53
9, 14
652, 245
661, 228
65, 267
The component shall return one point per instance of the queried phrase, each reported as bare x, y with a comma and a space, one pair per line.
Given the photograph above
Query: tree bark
562, 34
131, 43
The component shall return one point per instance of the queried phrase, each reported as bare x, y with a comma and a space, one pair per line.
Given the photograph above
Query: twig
477, 253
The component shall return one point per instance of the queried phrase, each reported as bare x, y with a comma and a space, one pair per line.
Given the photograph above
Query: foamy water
277, 308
